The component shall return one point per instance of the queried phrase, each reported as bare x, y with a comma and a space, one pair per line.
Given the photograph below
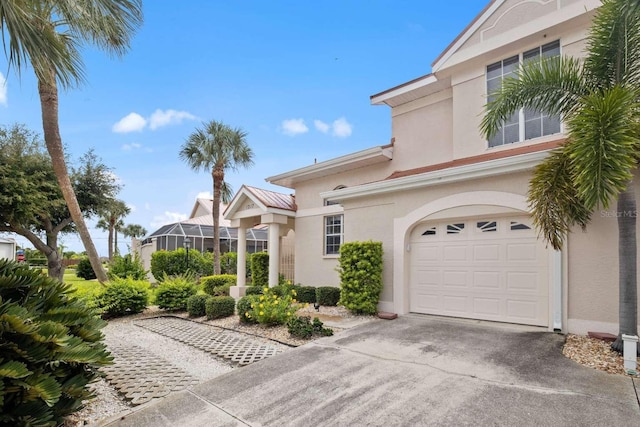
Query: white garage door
481, 268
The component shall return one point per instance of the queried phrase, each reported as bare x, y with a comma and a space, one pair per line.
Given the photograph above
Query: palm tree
217, 148
599, 100
134, 230
47, 34
111, 221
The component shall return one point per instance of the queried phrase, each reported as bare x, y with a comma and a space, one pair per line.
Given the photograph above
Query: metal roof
272, 199
198, 230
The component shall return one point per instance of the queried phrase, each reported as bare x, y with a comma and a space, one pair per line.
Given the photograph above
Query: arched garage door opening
488, 267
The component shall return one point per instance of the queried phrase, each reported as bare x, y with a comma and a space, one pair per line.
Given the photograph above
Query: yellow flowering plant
271, 308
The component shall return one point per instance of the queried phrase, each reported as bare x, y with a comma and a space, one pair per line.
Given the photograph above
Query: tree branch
62, 225
30, 236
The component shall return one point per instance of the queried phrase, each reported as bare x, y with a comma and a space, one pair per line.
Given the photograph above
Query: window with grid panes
333, 233
524, 124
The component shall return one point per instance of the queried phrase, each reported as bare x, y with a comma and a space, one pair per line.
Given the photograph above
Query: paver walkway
230, 345
140, 375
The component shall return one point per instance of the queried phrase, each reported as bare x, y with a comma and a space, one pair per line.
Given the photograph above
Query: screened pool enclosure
171, 237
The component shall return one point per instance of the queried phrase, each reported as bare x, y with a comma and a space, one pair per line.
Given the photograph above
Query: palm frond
604, 145
555, 204
552, 86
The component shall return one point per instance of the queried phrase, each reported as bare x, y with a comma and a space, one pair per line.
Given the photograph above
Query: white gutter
454, 174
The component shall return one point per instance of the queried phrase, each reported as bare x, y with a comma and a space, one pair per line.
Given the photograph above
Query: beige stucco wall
593, 273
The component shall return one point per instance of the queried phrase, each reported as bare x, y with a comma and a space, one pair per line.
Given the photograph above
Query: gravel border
596, 354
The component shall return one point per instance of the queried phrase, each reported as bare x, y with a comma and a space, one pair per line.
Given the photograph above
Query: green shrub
173, 292
218, 285
244, 310
229, 263
196, 305
306, 294
285, 289
217, 307
124, 296
127, 266
271, 309
84, 270
51, 348
173, 263
260, 269
327, 295
253, 290
302, 327
361, 276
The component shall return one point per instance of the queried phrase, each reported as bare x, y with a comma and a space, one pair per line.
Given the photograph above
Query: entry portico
252, 206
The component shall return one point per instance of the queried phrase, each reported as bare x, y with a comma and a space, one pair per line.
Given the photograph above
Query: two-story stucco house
450, 206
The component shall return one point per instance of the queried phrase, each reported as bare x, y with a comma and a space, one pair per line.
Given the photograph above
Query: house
199, 229
450, 207
7, 248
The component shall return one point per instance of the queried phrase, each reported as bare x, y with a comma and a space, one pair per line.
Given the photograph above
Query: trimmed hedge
124, 296
327, 295
244, 307
229, 263
260, 269
196, 305
253, 290
218, 285
361, 276
217, 307
173, 263
173, 293
306, 294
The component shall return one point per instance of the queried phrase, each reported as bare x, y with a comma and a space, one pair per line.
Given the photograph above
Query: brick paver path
141, 375
232, 346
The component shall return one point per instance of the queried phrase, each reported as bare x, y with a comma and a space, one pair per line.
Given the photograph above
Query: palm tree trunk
627, 255
218, 178
110, 244
48, 92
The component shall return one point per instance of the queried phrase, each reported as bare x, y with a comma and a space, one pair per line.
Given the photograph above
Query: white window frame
521, 112
327, 234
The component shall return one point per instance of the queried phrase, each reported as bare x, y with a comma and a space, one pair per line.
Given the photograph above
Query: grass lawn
84, 288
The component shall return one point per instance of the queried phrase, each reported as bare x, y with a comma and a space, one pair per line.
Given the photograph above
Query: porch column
241, 269
274, 253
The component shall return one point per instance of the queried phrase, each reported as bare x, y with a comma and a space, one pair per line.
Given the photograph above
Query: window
523, 124
515, 225
430, 232
455, 228
333, 233
487, 226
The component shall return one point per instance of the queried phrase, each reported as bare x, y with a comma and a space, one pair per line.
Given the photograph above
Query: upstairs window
333, 234
524, 124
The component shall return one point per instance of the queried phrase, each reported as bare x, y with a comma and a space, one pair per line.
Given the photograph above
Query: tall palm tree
599, 100
134, 230
48, 34
111, 221
218, 148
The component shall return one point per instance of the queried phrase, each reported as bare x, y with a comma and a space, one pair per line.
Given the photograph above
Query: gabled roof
345, 163
252, 202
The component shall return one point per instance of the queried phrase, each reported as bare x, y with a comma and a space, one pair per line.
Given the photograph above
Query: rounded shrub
173, 292
272, 309
217, 307
84, 270
327, 295
306, 294
196, 305
52, 347
124, 296
218, 285
127, 266
303, 327
244, 310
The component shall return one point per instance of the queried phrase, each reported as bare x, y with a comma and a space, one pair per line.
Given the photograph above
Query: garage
491, 268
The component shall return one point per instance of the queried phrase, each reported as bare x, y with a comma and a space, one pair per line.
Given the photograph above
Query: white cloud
133, 122
321, 126
342, 128
204, 195
3, 90
167, 218
162, 118
293, 127
132, 207
132, 146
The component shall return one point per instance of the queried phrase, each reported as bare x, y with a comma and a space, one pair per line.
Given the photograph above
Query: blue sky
295, 75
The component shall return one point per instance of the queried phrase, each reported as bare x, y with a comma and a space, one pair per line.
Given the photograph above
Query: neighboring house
450, 207
7, 248
199, 229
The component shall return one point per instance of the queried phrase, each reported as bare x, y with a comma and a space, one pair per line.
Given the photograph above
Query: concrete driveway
412, 371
